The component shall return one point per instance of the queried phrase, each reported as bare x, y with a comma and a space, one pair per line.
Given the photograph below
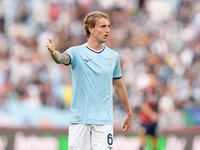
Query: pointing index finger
50, 41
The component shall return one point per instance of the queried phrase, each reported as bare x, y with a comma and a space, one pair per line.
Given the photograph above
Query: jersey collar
95, 50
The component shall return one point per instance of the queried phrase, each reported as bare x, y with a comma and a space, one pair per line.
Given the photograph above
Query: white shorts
90, 137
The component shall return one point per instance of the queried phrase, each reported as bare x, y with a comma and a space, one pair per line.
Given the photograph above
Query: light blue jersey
92, 90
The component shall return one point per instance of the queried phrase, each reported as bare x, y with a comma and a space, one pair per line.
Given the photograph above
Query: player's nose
107, 29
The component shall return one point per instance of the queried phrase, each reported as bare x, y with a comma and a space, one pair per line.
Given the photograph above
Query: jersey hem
92, 123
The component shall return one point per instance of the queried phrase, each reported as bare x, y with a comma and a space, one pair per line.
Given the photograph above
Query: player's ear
91, 29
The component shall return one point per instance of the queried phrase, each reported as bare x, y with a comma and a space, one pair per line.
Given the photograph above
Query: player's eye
104, 26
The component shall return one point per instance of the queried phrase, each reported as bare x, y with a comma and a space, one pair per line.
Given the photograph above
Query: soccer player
95, 73
149, 113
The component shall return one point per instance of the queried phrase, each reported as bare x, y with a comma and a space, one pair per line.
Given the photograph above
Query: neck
95, 45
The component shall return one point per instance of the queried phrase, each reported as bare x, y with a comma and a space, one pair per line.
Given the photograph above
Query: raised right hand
51, 47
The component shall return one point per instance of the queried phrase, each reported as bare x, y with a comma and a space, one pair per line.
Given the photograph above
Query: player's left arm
121, 93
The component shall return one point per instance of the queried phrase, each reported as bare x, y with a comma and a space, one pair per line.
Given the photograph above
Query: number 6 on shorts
110, 139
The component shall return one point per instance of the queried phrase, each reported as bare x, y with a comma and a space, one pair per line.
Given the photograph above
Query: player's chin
104, 40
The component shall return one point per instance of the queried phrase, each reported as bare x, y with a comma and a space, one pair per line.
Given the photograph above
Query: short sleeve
71, 52
117, 71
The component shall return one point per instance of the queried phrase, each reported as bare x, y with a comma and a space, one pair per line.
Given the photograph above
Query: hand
51, 47
127, 123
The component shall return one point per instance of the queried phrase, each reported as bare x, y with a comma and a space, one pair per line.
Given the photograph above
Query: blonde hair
90, 21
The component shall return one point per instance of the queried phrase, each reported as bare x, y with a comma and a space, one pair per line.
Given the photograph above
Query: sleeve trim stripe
70, 59
117, 77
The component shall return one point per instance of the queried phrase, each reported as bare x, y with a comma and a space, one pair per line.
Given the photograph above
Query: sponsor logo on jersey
87, 60
77, 117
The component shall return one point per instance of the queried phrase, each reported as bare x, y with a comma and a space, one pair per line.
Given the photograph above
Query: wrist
129, 114
53, 52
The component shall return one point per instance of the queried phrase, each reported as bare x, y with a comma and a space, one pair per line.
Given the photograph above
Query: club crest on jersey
110, 60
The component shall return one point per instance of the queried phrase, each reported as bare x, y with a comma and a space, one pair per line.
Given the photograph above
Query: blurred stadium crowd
158, 42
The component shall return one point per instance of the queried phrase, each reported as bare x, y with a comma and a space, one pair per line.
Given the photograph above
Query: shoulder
80, 46
76, 48
112, 53
109, 50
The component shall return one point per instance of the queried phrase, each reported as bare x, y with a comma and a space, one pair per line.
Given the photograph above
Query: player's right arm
57, 56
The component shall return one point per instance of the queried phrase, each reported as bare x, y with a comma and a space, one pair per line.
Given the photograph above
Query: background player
149, 112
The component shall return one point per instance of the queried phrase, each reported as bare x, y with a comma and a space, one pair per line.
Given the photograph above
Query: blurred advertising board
40, 139
192, 116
